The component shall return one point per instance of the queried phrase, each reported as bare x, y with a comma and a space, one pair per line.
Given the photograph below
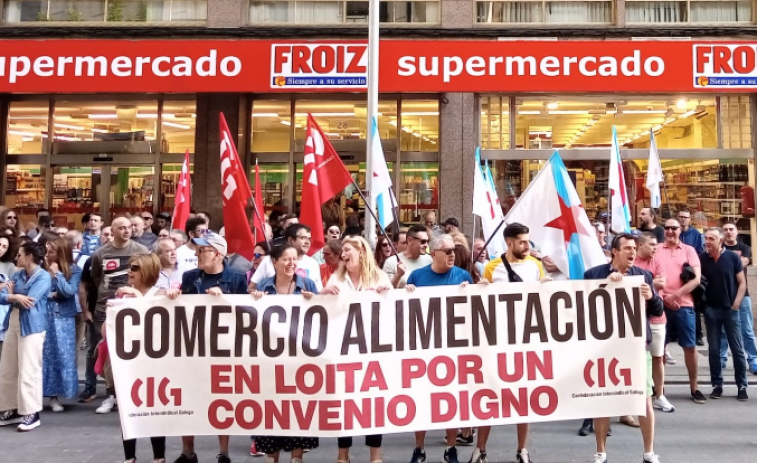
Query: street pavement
721, 430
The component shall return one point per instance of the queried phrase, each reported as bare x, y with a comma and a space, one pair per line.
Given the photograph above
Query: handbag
511, 275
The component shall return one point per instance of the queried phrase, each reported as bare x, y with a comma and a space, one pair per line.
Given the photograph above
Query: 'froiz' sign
725, 65
313, 66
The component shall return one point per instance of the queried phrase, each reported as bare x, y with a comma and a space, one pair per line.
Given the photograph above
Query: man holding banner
623, 256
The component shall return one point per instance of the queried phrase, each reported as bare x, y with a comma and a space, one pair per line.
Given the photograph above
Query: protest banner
368, 363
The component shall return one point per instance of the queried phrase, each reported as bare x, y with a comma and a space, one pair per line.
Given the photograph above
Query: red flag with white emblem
183, 197
323, 177
235, 191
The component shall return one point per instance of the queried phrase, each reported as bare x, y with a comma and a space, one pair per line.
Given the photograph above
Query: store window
420, 125
77, 190
495, 123
692, 11
544, 12
178, 127
271, 126
736, 121
25, 191
341, 12
345, 122
274, 183
168, 184
418, 191
105, 11
27, 127
132, 189
681, 122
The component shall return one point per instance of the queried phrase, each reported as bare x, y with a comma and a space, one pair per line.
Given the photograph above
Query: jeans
716, 320
747, 333
93, 337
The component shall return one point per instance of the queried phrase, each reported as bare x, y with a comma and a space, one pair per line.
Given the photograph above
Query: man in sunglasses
679, 304
440, 272
141, 233
414, 257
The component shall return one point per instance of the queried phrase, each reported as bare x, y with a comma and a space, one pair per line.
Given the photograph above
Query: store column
206, 186
458, 138
4, 110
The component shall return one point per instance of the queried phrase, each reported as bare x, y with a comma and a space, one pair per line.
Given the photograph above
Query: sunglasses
416, 238
671, 228
134, 268
12, 217
202, 232
448, 252
146, 218
385, 244
258, 255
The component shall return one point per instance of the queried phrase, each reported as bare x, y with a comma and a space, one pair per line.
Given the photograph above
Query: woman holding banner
358, 272
285, 281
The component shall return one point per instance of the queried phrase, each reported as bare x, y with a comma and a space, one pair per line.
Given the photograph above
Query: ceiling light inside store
407, 130
568, 112
285, 123
394, 123
421, 113
645, 111
552, 105
102, 116
99, 131
70, 127
265, 114
417, 135
532, 113
327, 114
27, 139
178, 126
23, 134
151, 115
28, 118
682, 103
670, 113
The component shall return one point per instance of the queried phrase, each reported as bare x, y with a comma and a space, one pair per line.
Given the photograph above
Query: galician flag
493, 191
381, 188
619, 208
486, 206
654, 173
552, 210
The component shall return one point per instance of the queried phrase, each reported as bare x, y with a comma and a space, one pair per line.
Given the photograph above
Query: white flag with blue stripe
381, 188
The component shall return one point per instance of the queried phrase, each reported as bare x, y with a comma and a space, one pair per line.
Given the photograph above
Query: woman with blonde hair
358, 272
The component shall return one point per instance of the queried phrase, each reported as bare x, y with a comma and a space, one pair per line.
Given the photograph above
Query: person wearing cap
451, 226
214, 277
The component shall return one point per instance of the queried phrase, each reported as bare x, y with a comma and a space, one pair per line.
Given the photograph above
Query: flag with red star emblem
551, 209
486, 206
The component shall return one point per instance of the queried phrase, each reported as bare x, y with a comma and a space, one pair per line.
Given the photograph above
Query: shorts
650, 380
657, 347
682, 323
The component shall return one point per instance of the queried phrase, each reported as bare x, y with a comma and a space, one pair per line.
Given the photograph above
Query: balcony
87, 12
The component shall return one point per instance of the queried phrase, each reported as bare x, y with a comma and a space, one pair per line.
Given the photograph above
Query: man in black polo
726, 286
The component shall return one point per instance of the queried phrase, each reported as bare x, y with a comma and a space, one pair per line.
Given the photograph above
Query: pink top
657, 269
672, 259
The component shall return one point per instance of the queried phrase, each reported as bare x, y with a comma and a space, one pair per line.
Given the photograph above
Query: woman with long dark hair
59, 374
383, 250
8, 250
9, 218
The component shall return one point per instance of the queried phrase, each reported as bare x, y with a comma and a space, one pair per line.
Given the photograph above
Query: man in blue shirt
441, 272
92, 234
689, 234
726, 286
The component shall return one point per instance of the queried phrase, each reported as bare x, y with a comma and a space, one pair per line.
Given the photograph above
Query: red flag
324, 176
235, 191
258, 199
183, 197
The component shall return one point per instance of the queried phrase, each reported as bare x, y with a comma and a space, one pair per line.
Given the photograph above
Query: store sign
264, 66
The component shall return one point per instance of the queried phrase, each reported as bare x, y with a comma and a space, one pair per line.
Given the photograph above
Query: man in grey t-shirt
412, 258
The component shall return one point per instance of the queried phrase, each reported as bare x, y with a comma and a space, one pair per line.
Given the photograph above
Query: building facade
99, 100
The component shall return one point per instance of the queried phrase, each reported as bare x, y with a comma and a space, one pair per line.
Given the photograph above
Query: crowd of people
55, 285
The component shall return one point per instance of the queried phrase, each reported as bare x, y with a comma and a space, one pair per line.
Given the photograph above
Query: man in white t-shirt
298, 235
186, 255
412, 258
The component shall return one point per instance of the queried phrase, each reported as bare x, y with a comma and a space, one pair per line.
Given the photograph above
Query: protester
726, 286
689, 234
622, 264
285, 280
400, 240
169, 275
679, 304
179, 238
60, 376
262, 249
332, 213
463, 258
206, 216
24, 327
414, 257
746, 318
75, 241
148, 220
480, 258
164, 233
61, 231
332, 233
214, 277
33, 232
140, 234
332, 253
8, 250
164, 220
352, 227
645, 260
299, 236
451, 226
186, 254
383, 250
45, 225
92, 236
238, 262
440, 272
9, 218
106, 236
647, 219
359, 272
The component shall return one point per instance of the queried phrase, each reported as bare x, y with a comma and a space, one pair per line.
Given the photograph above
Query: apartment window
339, 12
105, 11
545, 12
694, 11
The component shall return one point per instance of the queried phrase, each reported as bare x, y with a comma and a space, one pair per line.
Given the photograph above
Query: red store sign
263, 66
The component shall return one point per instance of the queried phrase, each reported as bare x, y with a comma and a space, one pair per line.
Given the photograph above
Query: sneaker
83, 345
478, 457
108, 405
450, 455
586, 428
662, 403
419, 456
87, 395
650, 459
698, 397
185, 459
464, 441
742, 397
131, 460
223, 458
10, 417
669, 360
522, 456
717, 392
55, 405
700, 341
254, 450
29, 422
600, 458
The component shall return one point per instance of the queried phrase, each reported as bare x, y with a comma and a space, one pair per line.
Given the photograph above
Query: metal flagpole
373, 63
486, 245
374, 217
257, 212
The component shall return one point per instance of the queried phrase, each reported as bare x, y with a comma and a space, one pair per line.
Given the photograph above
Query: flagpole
375, 217
486, 245
394, 209
256, 211
373, 63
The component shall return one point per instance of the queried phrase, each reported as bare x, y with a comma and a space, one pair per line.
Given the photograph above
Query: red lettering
300, 57
412, 369
470, 365
722, 60
354, 66
502, 367
323, 60
240, 414
218, 380
304, 420
213, 418
362, 414
281, 387
743, 59
433, 371
330, 379
409, 407
151, 391
340, 55
484, 413
280, 415
246, 383
533, 362
551, 403
437, 398
379, 412
299, 379
464, 406
280, 57
326, 413
349, 370
703, 56
510, 402
374, 377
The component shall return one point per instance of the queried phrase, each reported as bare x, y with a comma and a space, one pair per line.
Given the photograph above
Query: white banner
368, 363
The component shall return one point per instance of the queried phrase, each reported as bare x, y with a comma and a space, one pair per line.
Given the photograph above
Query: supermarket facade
103, 124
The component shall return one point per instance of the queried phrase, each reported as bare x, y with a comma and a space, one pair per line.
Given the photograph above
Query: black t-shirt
721, 278
741, 250
658, 231
86, 279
